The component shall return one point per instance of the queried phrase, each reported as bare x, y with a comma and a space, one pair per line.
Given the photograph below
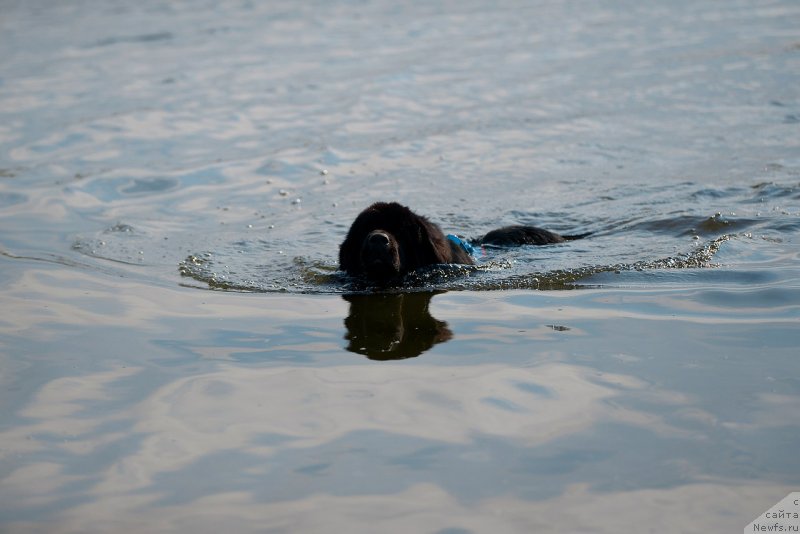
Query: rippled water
178, 351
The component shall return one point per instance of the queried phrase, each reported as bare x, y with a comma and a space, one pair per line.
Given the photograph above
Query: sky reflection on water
508, 415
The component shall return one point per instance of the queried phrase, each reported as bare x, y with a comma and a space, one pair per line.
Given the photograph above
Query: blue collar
469, 249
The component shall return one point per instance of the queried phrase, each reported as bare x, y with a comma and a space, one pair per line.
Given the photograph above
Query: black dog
388, 240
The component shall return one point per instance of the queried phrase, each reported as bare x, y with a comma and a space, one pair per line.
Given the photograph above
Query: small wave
120, 243
143, 38
772, 191
297, 275
692, 225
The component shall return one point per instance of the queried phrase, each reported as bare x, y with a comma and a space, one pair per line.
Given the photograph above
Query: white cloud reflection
194, 419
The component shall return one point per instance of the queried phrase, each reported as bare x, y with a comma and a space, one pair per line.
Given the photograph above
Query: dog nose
378, 239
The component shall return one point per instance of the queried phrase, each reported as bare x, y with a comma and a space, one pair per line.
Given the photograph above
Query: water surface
178, 351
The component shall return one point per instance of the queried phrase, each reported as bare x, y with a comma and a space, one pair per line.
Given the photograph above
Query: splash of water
306, 276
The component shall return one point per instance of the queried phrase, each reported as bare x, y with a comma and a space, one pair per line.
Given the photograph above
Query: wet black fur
388, 240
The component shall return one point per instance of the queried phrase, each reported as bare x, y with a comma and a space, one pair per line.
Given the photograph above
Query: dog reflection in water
392, 326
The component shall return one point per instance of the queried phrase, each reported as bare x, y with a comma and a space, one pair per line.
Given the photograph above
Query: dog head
388, 240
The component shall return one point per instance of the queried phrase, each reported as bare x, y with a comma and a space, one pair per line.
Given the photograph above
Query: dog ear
350, 249
349, 252
432, 246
